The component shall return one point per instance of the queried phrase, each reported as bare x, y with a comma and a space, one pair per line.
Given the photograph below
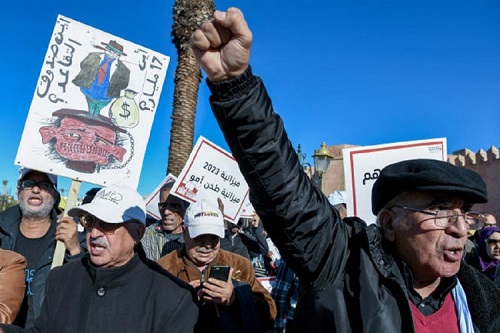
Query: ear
139, 232
386, 222
185, 232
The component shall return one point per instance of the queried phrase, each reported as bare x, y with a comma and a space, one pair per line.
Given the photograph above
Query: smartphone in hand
219, 272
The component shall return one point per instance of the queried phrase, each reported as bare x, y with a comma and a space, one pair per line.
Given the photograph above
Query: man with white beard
31, 229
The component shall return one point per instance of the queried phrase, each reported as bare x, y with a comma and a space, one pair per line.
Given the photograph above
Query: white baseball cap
204, 218
114, 204
337, 197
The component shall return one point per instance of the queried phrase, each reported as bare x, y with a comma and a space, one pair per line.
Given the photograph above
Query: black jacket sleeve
297, 216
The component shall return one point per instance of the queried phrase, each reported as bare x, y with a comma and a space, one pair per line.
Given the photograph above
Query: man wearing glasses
31, 229
115, 288
490, 220
403, 274
165, 235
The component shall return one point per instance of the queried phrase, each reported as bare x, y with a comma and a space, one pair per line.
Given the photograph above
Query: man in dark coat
404, 274
31, 229
114, 288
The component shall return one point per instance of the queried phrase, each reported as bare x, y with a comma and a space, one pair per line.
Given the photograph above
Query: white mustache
98, 241
204, 250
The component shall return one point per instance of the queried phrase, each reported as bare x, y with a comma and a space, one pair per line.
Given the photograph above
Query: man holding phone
231, 299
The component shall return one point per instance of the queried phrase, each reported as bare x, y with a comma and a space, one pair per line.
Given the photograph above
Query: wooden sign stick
70, 203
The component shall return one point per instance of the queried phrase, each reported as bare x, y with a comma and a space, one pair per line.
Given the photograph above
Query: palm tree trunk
188, 15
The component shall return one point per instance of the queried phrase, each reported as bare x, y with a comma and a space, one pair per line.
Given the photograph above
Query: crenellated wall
487, 164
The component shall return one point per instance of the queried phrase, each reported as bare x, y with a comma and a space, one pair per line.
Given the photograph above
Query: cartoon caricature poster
93, 106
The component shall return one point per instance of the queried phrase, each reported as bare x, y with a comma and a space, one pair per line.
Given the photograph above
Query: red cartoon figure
84, 142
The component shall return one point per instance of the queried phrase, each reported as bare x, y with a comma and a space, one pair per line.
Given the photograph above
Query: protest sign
153, 199
92, 109
362, 166
93, 106
248, 210
211, 173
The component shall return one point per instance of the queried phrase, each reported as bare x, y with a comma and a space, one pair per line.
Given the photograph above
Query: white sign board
211, 173
248, 210
93, 106
153, 199
362, 166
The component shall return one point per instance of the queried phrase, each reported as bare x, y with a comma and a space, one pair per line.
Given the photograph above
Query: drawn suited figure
95, 80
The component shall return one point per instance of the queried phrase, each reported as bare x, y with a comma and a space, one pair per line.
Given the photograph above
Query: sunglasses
28, 184
172, 206
89, 221
493, 241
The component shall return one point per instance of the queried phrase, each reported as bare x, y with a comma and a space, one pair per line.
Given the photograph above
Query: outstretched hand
222, 45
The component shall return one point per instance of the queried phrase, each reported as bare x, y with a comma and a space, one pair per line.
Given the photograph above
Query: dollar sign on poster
124, 111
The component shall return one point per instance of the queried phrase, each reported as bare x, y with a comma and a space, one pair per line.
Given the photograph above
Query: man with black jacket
405, 274
114, 288
31, 229
245, 242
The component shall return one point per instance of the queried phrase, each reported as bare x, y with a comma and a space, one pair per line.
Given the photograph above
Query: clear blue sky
355, 72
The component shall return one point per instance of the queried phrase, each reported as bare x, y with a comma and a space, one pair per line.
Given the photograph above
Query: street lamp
322, 159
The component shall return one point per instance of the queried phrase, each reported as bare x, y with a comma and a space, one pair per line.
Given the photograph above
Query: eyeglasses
493, 242
27, 184
89, 221
445, 218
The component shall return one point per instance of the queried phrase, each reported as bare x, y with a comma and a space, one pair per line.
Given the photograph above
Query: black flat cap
429, 176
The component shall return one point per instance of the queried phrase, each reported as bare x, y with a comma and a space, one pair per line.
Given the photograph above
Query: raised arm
308, 232
222, 45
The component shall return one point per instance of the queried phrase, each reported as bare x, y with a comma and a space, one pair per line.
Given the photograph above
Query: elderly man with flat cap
403, 274
114, 288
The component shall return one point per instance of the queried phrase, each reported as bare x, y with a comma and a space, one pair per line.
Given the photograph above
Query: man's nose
95, 232
460, 227
36, 188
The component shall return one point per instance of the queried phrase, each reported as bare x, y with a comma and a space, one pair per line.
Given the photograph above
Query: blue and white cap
114, 204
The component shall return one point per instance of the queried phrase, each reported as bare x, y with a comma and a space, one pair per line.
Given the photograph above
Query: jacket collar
104, 275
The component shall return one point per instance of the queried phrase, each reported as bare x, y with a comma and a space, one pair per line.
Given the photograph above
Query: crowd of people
193, 271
